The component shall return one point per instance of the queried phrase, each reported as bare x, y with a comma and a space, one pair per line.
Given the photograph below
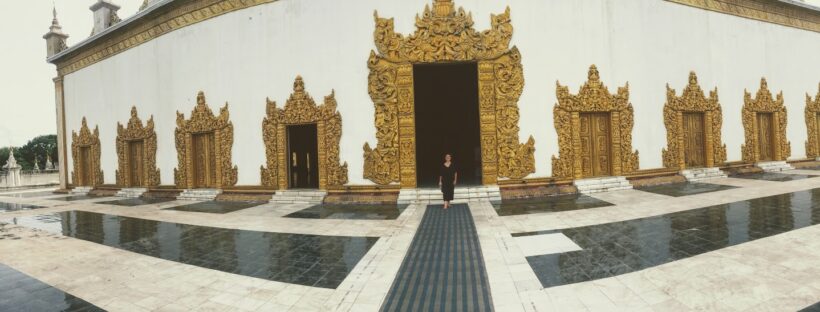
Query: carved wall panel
692, 100
445, 34
811, 111
135, 131
593, 97
91, 141
764, 103
302, 109
203, 120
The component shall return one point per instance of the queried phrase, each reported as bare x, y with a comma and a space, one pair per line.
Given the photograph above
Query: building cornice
782, 12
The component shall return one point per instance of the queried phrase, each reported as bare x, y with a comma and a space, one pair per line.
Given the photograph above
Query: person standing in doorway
447, 179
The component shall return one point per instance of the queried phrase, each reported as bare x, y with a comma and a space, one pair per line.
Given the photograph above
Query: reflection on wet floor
812, 308
547, 204
76, 197
130, 202
20, 292
621, 247
5, 207
685, 188
773, 176
217, 206
311, 260
30, 194
350, 212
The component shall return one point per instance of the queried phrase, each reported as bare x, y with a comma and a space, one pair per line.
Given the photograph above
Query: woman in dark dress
447, 179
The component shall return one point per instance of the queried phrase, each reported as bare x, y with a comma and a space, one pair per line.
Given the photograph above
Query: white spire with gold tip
55, 38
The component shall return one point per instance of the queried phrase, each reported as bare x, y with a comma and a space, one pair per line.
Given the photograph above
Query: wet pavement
350, 212
6, 207
131, 202
20, 292
621, 247
311, 260
685, 188
31, 194
218, 206
547, 204
773, 176
76, 197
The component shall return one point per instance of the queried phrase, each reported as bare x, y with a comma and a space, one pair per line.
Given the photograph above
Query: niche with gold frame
136, 138
593, 97
811, 113
692, 100
203, 121
445, 34
764, 103
301, 109
85, 151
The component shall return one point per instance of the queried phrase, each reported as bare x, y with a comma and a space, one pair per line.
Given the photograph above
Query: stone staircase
700, 174
131, 192
82, 190
604, 184
774, 166
460, 195
298, 197
199, 194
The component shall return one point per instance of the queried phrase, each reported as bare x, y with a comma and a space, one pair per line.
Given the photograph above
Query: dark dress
448, 174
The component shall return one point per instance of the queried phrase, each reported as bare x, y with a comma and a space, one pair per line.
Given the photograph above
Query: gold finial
693, 78
443, 8
593, 73
133, 111
298, 84
200, 98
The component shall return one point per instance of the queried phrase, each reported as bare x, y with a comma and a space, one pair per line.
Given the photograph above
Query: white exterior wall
246, 56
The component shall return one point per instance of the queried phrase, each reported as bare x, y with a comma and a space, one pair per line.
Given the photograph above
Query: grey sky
27, 92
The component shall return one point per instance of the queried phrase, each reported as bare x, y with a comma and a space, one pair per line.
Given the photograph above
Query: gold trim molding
172, 16
91, 140
136, 132
811, 111
775, 12
203, 120
764, 103
300, 108
593, 97
445, 34
692, 100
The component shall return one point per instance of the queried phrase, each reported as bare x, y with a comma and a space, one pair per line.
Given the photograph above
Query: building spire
55, 38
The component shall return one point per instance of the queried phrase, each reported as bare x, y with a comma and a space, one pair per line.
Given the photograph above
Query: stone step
199, 194
700, 174
774, 166
82, 190
298, 197
131, 192
460, 194
603, 184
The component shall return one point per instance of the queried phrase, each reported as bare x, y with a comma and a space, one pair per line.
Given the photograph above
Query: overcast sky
26, 89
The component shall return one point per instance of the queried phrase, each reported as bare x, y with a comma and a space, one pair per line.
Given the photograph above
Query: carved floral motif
764, 103
136, 132
86, 139
811, 111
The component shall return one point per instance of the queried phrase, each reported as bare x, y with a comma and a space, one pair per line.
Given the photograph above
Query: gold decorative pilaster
90, 140
764, 103
136, 132
811, 112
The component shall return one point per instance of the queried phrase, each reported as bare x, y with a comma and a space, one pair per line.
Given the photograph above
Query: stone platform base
82, 190
604, 184
700, 174
298, 197
774, 166
461, 195
131, 192
199, 194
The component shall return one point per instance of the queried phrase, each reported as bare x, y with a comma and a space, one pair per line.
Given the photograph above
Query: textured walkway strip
443, 269
20, 292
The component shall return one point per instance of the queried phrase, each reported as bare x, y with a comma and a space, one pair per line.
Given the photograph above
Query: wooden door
84, 176
595, 144
693, 140
135, 160
204, 160
765, 136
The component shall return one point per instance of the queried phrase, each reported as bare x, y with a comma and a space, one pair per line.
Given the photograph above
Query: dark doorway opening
447, 121
303, 160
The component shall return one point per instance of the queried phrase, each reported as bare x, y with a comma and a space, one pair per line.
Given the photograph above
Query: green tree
40, 147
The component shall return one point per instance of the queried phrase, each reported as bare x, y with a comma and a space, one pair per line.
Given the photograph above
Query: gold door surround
91, 141
445, 34
764, 103
692, 100
203, 120
811, 112
135, 131
300, 108
593, 97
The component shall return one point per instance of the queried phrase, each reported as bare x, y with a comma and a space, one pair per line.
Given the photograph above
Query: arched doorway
764, 125
85, 150
137, 153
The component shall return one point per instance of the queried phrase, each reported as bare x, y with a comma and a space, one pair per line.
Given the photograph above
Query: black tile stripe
20, 292
444, 268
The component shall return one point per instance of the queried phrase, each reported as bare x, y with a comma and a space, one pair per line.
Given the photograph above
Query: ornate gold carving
812, 109
302, 109
445, 34
86, 139
776, 12
136, 132
203, 120
173, 16
692, 100
593, 97
764, 103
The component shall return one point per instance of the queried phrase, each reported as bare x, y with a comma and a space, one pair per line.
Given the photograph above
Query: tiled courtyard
744, 243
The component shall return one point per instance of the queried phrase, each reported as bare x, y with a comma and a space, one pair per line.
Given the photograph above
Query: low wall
30, 178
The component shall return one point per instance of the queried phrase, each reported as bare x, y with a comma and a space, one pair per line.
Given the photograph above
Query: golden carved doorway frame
764, 103
203, 120
91, 141
300, 108
811, 112
692, 100
593, 97
445, 34
135, 131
